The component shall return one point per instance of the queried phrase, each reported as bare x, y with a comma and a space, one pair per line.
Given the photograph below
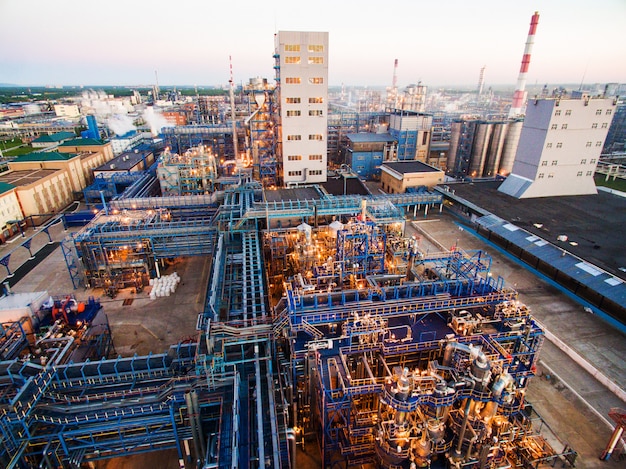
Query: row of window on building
314, 100
299, 157
560, 144
311, 137
298, 80
551, 175
295, 59
313, 172
593, 126
312, 48
556, 162
568, 112
312, 112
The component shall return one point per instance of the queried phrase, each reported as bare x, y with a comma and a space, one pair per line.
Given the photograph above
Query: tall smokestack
481, 80
394, 83
520, 89
232, 107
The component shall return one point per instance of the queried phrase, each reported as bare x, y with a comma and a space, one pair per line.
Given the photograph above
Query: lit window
588, 144
544, 163
593, 161
568, 112
292, 59
316, 137
295, 173
540, 176
316, 48
315, 157
292, 47
316, 81
292, 100
609, 112
553, 127
589, 173
293, 113
555, 162
315, 172
583, 161
598, 112
316, 112
557, 113
579, 173
598, 144
549, 145
293, 80
605, 125
316, 100
550, 175
316, 60
564, 126
294, 137
559, 145
594, 125
294, 157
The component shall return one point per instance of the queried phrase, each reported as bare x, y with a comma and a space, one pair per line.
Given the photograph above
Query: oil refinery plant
324, 325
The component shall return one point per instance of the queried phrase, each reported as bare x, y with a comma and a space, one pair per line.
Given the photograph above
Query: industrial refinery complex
331, 329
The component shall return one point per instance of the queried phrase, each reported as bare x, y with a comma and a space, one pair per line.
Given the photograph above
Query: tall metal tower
520, 89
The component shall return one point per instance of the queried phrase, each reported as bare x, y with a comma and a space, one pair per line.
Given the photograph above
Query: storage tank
455, 133
479, 149
510, 147
496, 147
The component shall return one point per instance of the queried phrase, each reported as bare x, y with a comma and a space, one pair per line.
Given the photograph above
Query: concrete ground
573, 402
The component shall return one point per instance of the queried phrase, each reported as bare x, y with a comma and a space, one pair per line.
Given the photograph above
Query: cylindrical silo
510, 147
494, 153
455, 133
479, 149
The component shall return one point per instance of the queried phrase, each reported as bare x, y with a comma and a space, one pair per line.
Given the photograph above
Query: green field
617, 184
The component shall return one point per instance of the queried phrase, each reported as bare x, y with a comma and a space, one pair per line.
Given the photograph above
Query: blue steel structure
426, 365
262, 139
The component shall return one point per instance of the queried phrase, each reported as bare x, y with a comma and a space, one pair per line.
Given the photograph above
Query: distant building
10, 212
47, 141
66, 110
302, 73
616, 138
127, 162
365, 153
397, 177
125, 142
412, 131
559, 147
43, 182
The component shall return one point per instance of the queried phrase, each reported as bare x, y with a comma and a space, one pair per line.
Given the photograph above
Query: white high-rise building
559, 147
302, 58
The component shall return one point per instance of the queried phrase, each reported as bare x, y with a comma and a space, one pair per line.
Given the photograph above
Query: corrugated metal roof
404, 167
587, 274
370, 137
5, 187
44, 156
78, 142
57, 137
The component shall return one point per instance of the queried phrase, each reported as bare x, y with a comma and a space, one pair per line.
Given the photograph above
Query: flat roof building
302, 73
559, 147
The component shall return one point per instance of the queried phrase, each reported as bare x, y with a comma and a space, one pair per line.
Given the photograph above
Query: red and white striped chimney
520, 90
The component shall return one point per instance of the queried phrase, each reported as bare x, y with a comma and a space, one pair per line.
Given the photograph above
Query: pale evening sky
445, 42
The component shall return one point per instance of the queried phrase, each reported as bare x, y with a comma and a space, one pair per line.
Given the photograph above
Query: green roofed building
45, 141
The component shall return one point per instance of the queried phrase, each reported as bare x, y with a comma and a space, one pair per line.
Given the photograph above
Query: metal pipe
198, 421
615, 437
194, 435
259, 408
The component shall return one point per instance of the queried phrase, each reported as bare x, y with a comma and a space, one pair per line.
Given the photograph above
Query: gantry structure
323, 326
